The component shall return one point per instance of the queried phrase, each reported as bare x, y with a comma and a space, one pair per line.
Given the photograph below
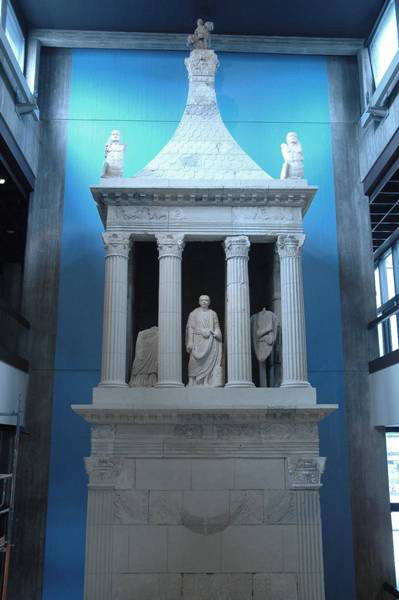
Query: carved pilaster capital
305, 472
116, 243
103, 470
170, 244
236, 246
289, 246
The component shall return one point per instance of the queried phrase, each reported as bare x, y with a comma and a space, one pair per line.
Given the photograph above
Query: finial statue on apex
201, 38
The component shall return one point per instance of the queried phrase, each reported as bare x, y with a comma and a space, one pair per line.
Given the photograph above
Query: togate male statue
145, 364
264, 328
204, 344
114, 156
200, 39
293, 158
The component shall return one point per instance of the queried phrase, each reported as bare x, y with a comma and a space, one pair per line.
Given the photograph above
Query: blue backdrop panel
143, 94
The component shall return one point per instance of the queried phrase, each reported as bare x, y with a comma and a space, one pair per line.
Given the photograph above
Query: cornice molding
62, 38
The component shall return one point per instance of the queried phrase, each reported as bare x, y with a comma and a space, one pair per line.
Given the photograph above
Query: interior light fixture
2, 180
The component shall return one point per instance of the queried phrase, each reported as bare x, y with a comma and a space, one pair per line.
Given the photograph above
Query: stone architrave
293, 158
264, 328
239, 366
292, 310
114, 156
170, 249
113, 363
204, 344
145, 364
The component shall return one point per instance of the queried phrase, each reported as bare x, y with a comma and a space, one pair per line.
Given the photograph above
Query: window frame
10, 15
373, 34
388, 308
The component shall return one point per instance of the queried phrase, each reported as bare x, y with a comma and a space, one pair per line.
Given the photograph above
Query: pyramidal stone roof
202, 152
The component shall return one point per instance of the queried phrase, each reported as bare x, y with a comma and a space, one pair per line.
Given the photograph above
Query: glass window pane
384, 43
394, 332
395, 532
380, 339
14, 35
390, 276
377, 287
392, 441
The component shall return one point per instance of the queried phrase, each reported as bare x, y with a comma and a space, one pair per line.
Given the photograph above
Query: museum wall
143, 94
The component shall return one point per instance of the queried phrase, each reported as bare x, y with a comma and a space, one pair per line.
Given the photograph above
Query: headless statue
114, 156
204, 345
145, 364
293, 158
264, 328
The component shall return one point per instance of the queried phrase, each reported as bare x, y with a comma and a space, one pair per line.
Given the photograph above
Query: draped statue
204, 344
145, 364
264, 328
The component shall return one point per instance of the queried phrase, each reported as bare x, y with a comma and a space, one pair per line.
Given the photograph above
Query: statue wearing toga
204, 344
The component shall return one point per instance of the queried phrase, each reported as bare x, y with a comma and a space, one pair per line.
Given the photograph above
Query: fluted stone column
170, 249
113, 363
292, 310
102, 471
239, 366
304, 476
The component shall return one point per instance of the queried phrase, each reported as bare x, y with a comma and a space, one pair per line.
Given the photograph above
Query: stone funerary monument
204, 472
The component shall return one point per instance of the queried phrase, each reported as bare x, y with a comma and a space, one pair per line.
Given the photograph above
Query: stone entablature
283, 194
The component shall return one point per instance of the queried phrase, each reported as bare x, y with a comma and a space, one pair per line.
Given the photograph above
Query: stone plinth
198, 494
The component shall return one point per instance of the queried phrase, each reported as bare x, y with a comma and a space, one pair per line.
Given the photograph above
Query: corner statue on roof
293, 158
201, 38
204, 344
114, 156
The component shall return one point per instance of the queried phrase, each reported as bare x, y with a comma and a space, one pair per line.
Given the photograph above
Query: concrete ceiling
340, 18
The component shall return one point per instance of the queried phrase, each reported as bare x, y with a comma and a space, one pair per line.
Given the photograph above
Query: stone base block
216, 503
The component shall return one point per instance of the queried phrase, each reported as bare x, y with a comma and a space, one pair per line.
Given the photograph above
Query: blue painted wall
143, 94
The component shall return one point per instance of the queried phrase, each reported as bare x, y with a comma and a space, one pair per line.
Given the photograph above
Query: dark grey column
39, 305
373, 552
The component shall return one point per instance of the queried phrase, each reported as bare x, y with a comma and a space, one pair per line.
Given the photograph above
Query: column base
240, 384
169, 384
112, 384
295, 384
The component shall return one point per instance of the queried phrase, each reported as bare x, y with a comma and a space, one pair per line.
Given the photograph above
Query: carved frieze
141, 213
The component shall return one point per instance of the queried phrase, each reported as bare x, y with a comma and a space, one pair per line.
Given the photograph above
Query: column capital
289, 245
170, 244
305, 472
116, 243
236, 246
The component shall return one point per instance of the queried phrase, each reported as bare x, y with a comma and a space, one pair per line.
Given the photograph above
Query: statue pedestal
201, 493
